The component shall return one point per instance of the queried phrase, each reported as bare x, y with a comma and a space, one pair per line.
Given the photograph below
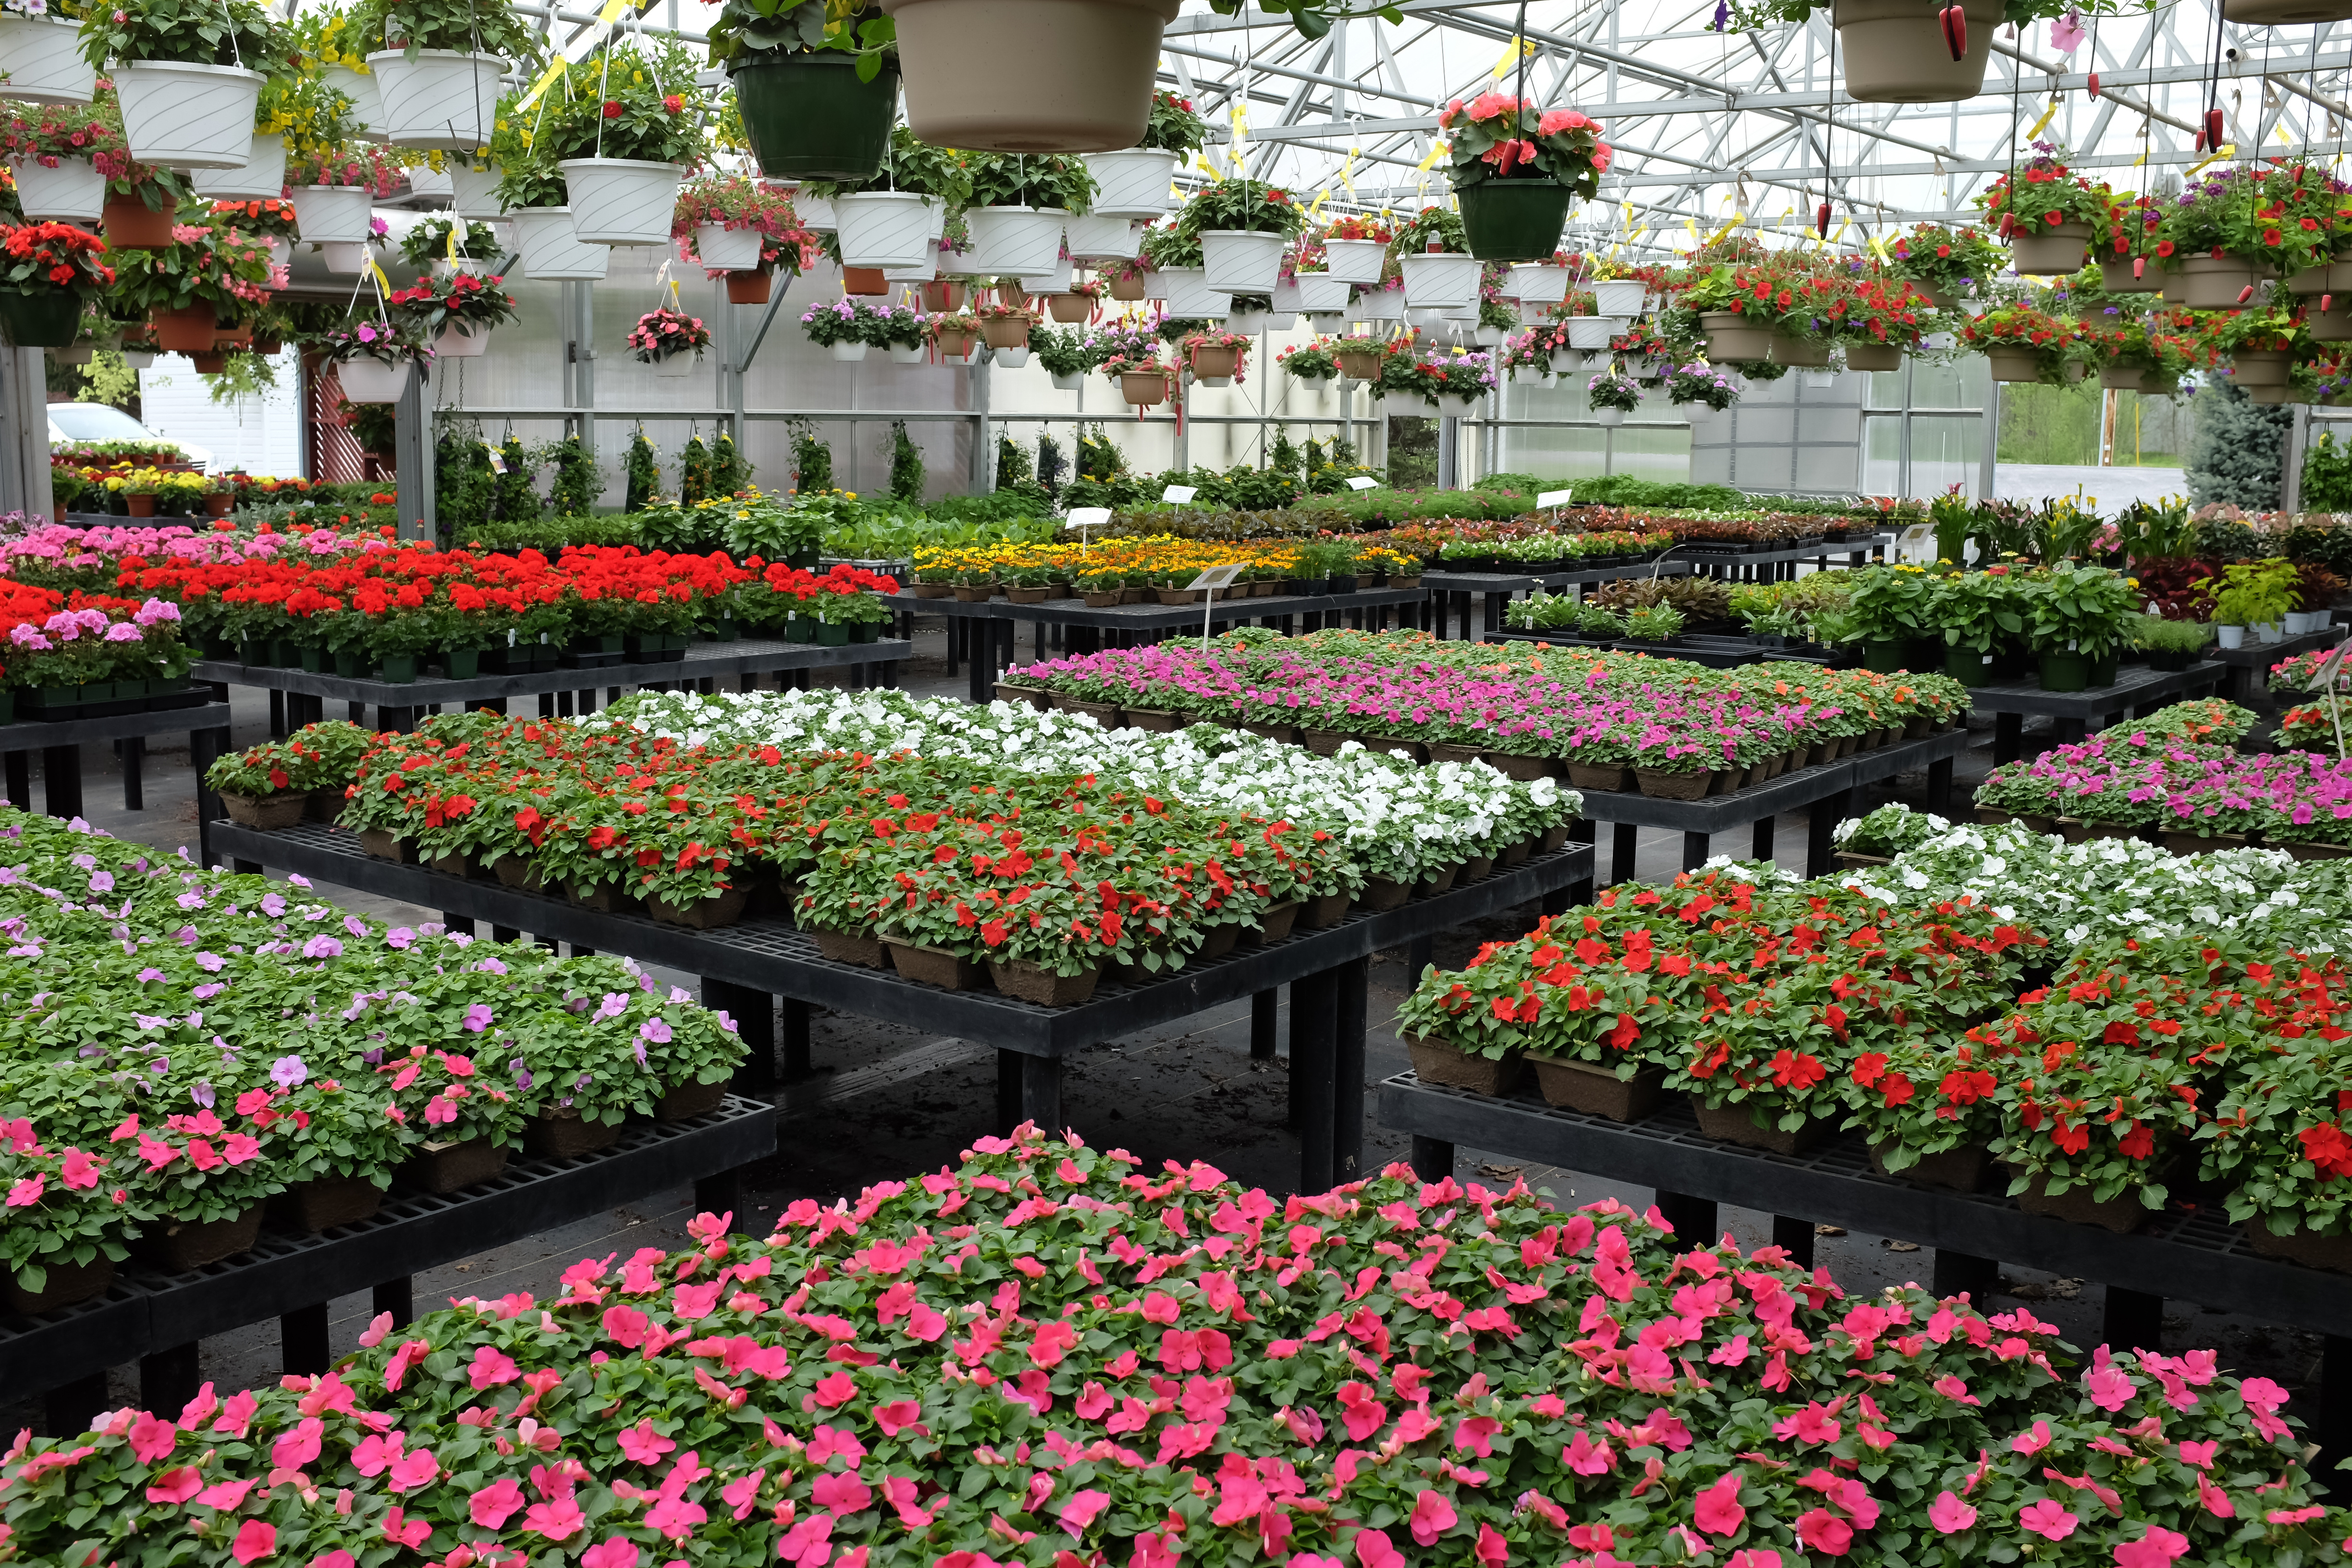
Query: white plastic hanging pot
906, 353
1137, 183
1286, 296
1011, 242
332, 214
344, 260
474, 193
675, 367
552, 251
925, 273
1094, 237
621, 201
1054, 282
262, 178
367, 101
848, 353
725, 249
1242, 261
881, 228
1186, 294
815, 213
1355, 260
373, 381
1537, 283
73, 192
441, 98
1440, 281
1014, 358
1610, 418
1619, 298
451, 343
1320, 293
433, 183
1565, 360
187, 117
1591, 334
42, 56
1378, 304
1249, 323
1451, 407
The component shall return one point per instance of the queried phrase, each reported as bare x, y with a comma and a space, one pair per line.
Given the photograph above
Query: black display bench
1451, 593
158, 1317
60, 741
744, 966
297, 697
2137, 688
2195, 1255
1713, 651
2249, 667
982, 632
1825, 792
1780, 565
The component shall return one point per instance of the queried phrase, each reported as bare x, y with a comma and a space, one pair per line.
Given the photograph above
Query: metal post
1991, 452
1901, 434
729, 319
25, 434
979, 449
2298, 438
412, 443
1449, 457
580, 357
1183, 413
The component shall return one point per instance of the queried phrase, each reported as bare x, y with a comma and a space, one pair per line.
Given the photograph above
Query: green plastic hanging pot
2065, 671
1515, 220
809, 117
43, 320
1968, 666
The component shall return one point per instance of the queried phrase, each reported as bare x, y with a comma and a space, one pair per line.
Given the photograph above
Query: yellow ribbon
2044, 120
1436, 151
1524, 49
1737, 219
455, 225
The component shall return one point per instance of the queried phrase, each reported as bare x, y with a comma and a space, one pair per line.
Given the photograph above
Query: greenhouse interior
609, 589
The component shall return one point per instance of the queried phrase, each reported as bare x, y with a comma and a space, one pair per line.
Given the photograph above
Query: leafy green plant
189, 32
906, 463
2254, 593
1241, 205
578, 481
1028, 180
467, 26
643, 472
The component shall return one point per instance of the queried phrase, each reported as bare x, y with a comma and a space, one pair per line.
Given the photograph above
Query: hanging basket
724, 249
815, 213
1094, 237
1056, 279
438, 97
2214, 282
1241, 261
2051, 251
2115, 277
1380, 305
1894, 51
1438, 282
621, 201
1186, 293
74, 192
1798, 353
1129, 289
2284, 13
809, 117
1319, 293
1215, 363
1537, 283
1139, 182
2260, 367
867, 282
2123, 378
452, 342
883, 228
1069, 308
1514, 220
261, 180
551, 252
943, 297
43, 58
367, 102
2014, 364
1142, 388
1622, 298
1005, 332
185, 331
1007, 242
1731, 338
332, 214
373, 381
1591, 334
1355, 260
2333, 325
749, 288
676, 367
1873, 356
1029, 76
187, 117
474, 193
48, 319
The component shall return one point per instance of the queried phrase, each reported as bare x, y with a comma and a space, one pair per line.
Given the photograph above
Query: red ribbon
1956, 30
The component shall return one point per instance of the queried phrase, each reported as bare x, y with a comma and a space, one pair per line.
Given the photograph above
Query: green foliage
1099, 456
461, 478
1284, 458
811, 458
469, 27
2237, 457
693, 472
731, 473
906, 464
515, 498
1014, 469
644, 471
2327, 479
192, 32
1051, 464
549, 536
578, 481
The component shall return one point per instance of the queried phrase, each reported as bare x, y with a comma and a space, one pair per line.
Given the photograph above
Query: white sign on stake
1177, 495
1361, 482
1554, 498
1083, 518
1208, 583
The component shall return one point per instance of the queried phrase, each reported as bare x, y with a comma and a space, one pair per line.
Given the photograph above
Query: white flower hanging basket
621, 201
675, 367
1355, 260
187, 117
332, 214
262, 178
1095, 237
42, 56
367, 102
882, 229
1440, 281
474, 193
728, 249
1139, 182
442, 97
1620, 298
1011, 242
73, 192
451, 343
1537, 283
373, 381
551, 252
1186, 293
1591, 334
1241, 261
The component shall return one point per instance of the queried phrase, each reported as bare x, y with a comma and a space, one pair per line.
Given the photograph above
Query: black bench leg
302, 1340
1694, 1219
795, 1064
2332, 1425
1008, 1091
61, 781
1624, 848
720, 1192
1821, 825
73, 1406
1694, 850
1353, 983
19, 770
1963, 1273
754, 1013
397, 1297
1939, 787
167, 1379
1266, 1008
1795, 1237
134, 783
1762, 848
1313, 1036
1041, 1093
2008, 737
1433, 1158
2135, 1320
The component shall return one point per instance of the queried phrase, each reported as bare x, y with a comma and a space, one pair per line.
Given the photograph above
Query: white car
104, 421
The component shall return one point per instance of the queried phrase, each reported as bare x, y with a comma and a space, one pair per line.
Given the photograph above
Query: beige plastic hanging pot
2052, 250
1029, 76
42, 56
1892, 51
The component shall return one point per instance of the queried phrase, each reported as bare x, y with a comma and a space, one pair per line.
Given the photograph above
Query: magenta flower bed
2133, 780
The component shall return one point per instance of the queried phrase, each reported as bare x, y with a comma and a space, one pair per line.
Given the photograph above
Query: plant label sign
1362, 482
1554, 498
1209, 581
1083, 517
1177, 495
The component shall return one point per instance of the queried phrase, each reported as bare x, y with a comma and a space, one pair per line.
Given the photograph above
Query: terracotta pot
129, 225
863, 280
449, 1167
932, 966
1730, 337
1598, 1091
703, 914
268, 812
1439, 1062
564, 1134
1659, 785
176, 1248
67, 1285
1326, 910
1608, 781
841, 947
1960, 1169
1026, 982
2122, 1214
1733, 1124
688, 1100
1143, 390
210, 364
1276, 924
1128, 288
749, 287
2214, 283
188, 331
323, 1203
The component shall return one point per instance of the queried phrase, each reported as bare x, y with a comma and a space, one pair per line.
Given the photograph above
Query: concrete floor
894, 1101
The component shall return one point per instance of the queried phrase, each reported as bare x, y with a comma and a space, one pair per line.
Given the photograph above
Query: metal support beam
412, 445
